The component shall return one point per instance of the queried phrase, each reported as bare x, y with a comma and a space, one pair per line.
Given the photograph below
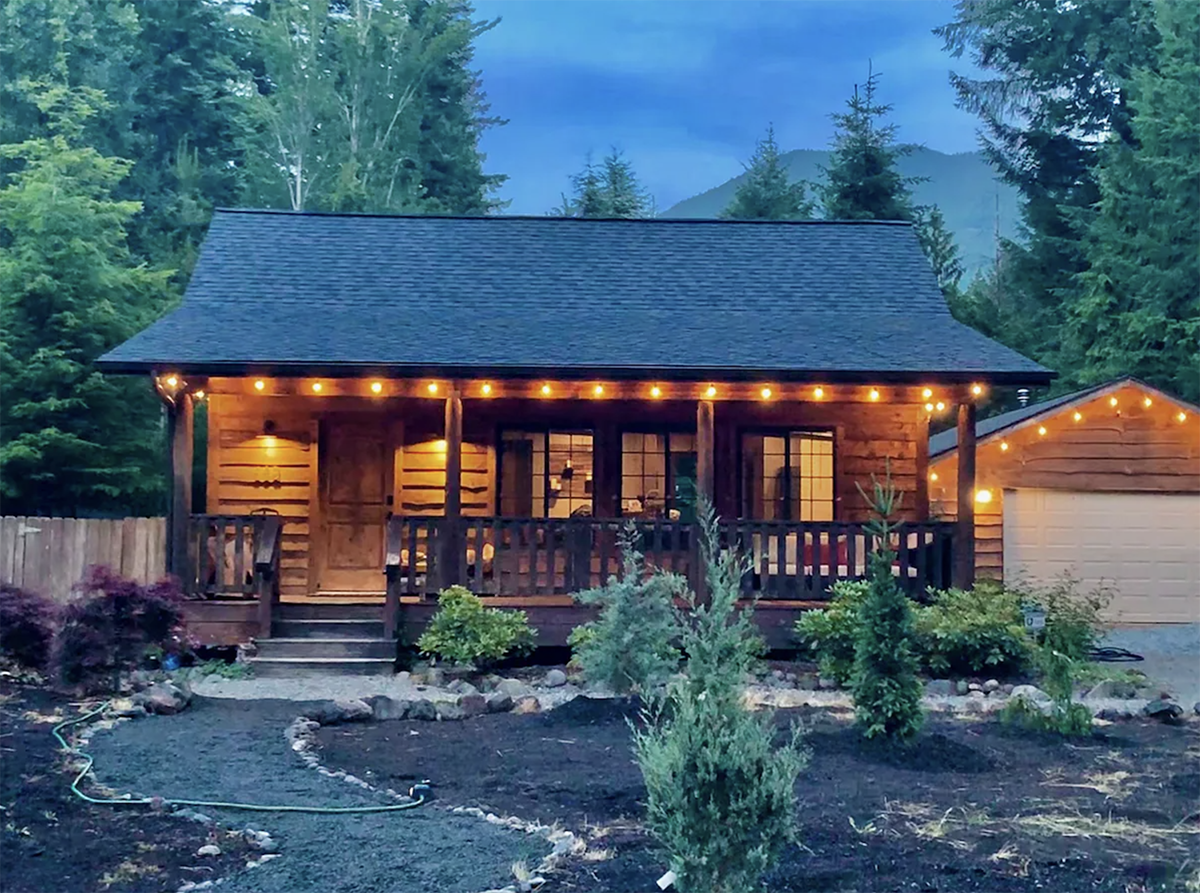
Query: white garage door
1145, 545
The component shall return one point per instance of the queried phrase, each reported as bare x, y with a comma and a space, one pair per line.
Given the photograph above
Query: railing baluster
239, 558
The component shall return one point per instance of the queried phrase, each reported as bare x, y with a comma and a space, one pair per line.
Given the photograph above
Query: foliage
831, 633
938, 244
887, 692
111, 624
69, 290
766, 191
630, 646
981, 630
27, 622
465, 632
610, 189
1074, 619
720, 796
1059, 673
862, 182
1138, 309
223, 668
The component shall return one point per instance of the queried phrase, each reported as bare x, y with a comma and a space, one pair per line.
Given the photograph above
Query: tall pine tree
766, 191
1138, 309
608, 189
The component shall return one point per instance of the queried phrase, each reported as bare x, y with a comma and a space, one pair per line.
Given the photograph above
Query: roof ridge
284, 212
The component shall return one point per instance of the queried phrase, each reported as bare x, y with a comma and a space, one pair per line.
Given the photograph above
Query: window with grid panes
658, 475
787, 476
546, 474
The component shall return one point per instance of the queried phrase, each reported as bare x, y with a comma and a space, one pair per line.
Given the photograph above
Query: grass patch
1113, 785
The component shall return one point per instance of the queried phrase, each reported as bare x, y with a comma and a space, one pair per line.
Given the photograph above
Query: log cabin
397, 404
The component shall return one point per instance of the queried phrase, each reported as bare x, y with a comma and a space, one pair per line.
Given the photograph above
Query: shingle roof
278, 290
945, 441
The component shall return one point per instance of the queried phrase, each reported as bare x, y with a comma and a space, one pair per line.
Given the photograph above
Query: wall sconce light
983, 496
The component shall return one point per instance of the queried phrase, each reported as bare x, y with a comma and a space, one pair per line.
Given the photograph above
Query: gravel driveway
1171, 652
235, 751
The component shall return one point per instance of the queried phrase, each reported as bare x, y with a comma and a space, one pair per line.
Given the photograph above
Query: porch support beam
704, 449
451, 555
964, 536
179, 439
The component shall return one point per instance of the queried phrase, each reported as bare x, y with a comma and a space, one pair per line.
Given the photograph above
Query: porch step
286, 628
315, 610
308, 647
322, 666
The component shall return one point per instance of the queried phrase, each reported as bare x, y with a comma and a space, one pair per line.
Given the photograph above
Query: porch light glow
929, 407
983, 496
1041, 430
819, 392
376, 387
874, 395
440, 445
598, 390
1112, 401
656, 392
933, 475
939, 406
1147, 403
711, 391
1078, 417
545, 390
977, 389
1182, 416
766, 393
172, 381
259, 385
432, 388
486, 390
1004, 446
199, 395
316, 386
927, 393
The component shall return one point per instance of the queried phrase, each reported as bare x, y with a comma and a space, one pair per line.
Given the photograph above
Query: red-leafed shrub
112, 625
26, 626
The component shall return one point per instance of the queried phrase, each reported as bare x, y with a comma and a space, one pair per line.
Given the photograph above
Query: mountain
964, 186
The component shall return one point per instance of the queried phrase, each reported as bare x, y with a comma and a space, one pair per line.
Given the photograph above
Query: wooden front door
355, 459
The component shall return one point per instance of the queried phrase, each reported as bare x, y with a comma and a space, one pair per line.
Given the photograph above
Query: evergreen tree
1138, 311
862, 181
766, 192
610, 189
938, 244
1057, 77
71, 439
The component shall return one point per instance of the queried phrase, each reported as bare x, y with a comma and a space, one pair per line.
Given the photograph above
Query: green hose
213, 804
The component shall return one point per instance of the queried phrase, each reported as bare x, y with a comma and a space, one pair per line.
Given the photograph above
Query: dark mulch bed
51, 841
972, 806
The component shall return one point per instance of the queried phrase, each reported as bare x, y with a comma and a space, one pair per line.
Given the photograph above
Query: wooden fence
49, 555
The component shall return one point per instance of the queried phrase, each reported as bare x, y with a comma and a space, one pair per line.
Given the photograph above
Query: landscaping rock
974, 686
977, 694
1113, 688
209, 849
1113, 713
527, 704
462, 687
991, 685
126, 707
827, 684
1163, 709
1196, 708
435, 676
489, 682
163, 698
554, 679
384, 708
807, 681
961, 687
330, 713
514, 688
472, 703
1031, 693
448, 712
1007, 688
939, 688
424, 710
498, 702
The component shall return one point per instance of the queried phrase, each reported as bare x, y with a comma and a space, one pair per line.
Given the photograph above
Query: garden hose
418, 792
1114, 655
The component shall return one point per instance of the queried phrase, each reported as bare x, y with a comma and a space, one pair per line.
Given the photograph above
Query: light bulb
376, 387
545, 390
259, 385
1182, 417
1004, 446
976, 389
929, 407
1041, 430
766, 393
1112, 401
316, 386
486, 389
983, 496
819, 392
1147, 403
940, 406
656, 392
172, 381
711, 392
927, 393
1078, 417
933, 475
598, 390
874, 394
432, 387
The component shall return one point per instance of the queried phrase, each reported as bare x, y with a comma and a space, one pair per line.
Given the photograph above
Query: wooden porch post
450, 559
704, 487
179, 438
964, 535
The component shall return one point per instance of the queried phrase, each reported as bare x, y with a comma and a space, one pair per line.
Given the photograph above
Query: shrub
720, 797
630, 646
26, 626
112, 624
976, 631
830, 633
887, 692
465, 632
1059, 673
1073, 619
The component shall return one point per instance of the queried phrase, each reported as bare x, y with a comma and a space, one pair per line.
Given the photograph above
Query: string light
927, 393
1182, 416
819, 392
766, 393
259, 385
983, 496
1147, 403
1112, 401
376, 387
976, 389
598, 390
1078, 417
711, 391
486, 390
545, 390
933, 475
940, 406
432, 387
929, 407
1004, 446
316, 386
656, 392
172, 381
1042, 431
199, 395
874, 394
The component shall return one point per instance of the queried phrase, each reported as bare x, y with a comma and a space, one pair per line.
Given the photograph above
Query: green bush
1059, 673
975, 631
465, 632
829, 634
630, 646
1073, 619
720, 797
887, 692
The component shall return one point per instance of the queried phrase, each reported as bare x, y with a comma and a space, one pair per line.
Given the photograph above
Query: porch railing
524, 556
235, 556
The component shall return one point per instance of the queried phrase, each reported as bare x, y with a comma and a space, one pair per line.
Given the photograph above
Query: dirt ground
973, 806
53, 842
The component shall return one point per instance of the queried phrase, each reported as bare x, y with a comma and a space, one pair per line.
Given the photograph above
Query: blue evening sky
685, 87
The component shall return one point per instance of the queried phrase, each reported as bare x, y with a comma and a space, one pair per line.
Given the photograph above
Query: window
545, 474
658, 475
788, 476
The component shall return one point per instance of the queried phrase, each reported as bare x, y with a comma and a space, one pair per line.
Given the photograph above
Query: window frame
665, 432
785, 431
545, 431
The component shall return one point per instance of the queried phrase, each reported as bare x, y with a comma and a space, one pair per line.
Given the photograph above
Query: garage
1145, 546
1102, 483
